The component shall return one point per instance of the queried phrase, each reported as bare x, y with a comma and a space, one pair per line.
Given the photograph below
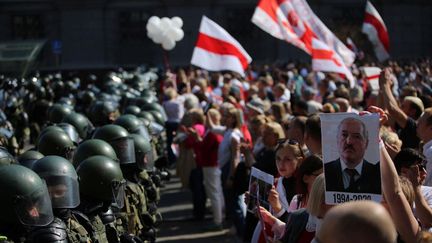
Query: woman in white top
175, 110
228, 159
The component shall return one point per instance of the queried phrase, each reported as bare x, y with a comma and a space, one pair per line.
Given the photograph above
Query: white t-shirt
224, 151
427, 152
174, 110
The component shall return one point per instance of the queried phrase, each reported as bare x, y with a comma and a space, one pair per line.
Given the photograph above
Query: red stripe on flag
325, 55
220, 47
382, 32
270, 7
373, 77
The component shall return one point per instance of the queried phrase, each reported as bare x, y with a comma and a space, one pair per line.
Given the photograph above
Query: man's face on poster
352, 141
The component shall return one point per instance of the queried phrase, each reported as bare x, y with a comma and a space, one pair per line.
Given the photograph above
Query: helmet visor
155, 129
145, 161
35, 209
142, 130
28, 163
64, 191
71, 132
125, 150
69, 153
118, 190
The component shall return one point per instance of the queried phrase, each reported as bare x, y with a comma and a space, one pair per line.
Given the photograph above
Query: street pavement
178, 224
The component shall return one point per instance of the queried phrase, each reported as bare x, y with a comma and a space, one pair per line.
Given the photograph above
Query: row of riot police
93, 174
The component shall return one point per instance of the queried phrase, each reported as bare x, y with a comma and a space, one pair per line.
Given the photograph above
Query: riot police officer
56, 142
92, 147
62, 183
101, 184
25, 208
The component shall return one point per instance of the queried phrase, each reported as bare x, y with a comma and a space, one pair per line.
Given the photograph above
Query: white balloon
153, 27
165, 23
154, 19
177, 21
171, 33
179, 34
168, 44
158, 38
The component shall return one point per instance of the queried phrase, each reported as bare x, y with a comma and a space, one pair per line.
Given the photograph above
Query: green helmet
119, 139
155, 107
158, 117
5, 157
133, 125
56, 143
61, 179
87, 97
49, 129
57, 112
29, 157
146, 115
149, 96
93, 147
101, 112
132, 109
143, 152
70, 131
100, 178
24, 197
79, 121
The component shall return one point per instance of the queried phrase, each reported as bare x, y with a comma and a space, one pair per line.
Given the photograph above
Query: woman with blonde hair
302, 224
228, 158
206, 146
175, 110
264, 160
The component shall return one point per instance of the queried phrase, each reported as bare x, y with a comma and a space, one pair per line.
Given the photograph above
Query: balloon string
166, 59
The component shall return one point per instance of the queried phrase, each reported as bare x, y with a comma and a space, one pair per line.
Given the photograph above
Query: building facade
112, 33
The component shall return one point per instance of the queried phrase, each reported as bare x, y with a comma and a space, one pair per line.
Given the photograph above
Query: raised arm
422, 210
400, 210
389, 101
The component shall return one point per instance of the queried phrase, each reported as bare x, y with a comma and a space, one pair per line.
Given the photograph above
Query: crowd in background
218, 125
222, 124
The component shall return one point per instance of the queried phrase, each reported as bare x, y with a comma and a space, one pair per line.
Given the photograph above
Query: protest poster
260, 184
350, 145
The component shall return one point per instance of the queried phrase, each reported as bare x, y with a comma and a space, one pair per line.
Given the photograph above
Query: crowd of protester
218, 125
225, 124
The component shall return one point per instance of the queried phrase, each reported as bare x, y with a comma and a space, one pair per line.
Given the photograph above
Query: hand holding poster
260, 184
351, 158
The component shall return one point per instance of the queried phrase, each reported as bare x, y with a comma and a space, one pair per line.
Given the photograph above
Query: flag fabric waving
350, 44
371, 77
281, 19
217, 50
270, 16
375, 29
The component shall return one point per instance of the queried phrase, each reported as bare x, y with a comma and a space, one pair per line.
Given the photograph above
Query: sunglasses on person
287, 140
284, 141
421, 165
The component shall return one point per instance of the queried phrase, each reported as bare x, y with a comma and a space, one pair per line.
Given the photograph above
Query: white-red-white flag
270, 16
375, 29
371, 76
217, 50
325, 59
280, 19
350, 44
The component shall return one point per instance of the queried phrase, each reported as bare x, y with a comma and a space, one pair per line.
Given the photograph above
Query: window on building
25, 27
